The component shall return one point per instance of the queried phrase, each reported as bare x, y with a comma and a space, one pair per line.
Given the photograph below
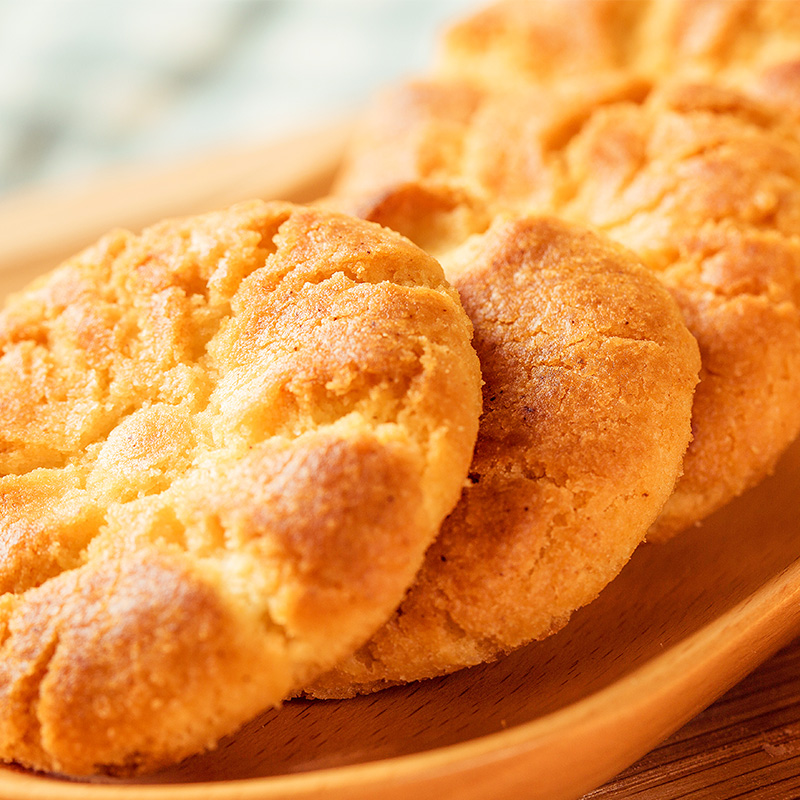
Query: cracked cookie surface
225, 446
751, 42
700, 180
696, 170
589, 373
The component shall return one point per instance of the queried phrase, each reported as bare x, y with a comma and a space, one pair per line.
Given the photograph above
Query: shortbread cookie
554, 42
706, 190
589, 373
226, 445
701, 181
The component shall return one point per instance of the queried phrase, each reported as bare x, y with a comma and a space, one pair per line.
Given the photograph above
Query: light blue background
91, 83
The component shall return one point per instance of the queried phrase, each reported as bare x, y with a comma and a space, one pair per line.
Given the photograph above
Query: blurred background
87, 84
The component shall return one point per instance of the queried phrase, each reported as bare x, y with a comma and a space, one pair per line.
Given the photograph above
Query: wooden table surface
746, 745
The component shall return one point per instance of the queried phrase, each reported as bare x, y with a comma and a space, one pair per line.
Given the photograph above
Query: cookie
550, 41
707, 191
701, 180
226, 445
555, 42
589, 373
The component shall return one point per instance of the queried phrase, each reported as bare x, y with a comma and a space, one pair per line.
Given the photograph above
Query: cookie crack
31, 739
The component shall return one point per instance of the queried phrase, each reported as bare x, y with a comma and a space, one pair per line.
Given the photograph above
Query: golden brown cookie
704, 184
589, 373
557, 42
549, 41
226, 444
702, 181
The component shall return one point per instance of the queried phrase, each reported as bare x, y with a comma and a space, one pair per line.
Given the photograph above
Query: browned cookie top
551, 42
589, 373
226, 444
701, 180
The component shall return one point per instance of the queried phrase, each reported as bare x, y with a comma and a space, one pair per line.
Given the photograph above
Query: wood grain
747, 744
683, 623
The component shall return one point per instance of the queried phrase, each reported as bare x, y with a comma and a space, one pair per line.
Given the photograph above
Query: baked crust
555, 42
701, 180
589, 373
226, 444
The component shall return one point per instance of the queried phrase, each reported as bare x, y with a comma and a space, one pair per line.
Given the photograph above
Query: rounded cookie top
560, 41
700, 180
589, 373
703, 183
226, 444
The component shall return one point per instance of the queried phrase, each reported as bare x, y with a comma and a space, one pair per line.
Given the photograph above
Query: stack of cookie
668, 128
549, 310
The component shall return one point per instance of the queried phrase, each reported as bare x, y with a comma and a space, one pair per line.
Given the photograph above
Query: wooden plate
683, 622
